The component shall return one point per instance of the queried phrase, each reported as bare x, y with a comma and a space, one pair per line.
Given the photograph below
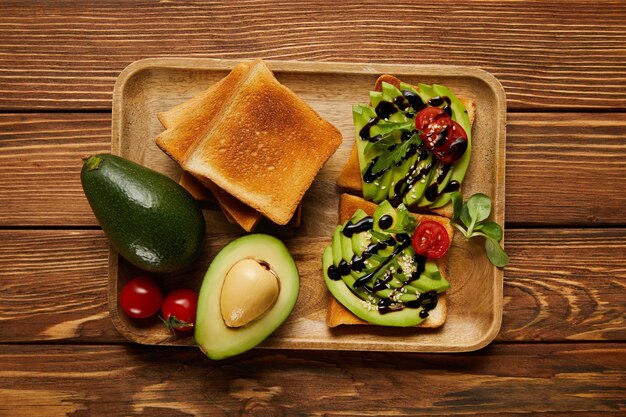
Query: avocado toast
432, 174
412, 149
393, 286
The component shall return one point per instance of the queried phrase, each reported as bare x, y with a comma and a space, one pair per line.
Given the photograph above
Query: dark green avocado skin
151, 221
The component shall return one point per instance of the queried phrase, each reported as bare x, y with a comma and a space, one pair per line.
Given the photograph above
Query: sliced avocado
400, 173
361, 116
385, 209
390, 91
375, 98
213, 336
429, 180
151, 221
459, 169
362, 307
382, 289
337, 255
384, 187
360, 241
419, 186
346, 246
383, 184
431, 279
426, 92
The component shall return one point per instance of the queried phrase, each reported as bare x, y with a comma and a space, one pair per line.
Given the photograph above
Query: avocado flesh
360, 241
385, 209
365, 310
212, 335
416, 192
363, 301
459, 169
150, 219
374, 191
346, 247
337, 245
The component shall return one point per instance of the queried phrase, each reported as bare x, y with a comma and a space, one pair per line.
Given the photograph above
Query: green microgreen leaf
469, 219
497, 256
465, 217
387, 159
457, 205
382, 145
492, 230
386, 128
406, 222
479, 207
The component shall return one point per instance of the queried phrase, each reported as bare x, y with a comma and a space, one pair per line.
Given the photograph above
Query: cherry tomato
179, 310
431, 239
441, 135
434, 123
140, 298
454, 146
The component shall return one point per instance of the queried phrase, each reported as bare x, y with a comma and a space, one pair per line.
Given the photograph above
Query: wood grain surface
501, 379
40, 161
561, 348
66, 55
562, 284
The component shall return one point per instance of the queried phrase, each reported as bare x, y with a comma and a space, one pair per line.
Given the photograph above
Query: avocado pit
250, 289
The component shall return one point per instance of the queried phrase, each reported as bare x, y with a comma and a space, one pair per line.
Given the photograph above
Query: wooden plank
560, 285
66, 55
40, 160
506, 378
567, 169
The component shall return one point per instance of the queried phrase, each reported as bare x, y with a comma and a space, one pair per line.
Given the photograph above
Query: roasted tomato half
441, 135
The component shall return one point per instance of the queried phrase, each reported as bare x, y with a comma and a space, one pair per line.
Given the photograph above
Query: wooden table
561, 346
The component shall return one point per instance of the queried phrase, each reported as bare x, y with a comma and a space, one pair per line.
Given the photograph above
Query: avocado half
212, 335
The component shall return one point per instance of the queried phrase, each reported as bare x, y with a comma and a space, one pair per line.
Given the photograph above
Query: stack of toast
251, 143
351, 182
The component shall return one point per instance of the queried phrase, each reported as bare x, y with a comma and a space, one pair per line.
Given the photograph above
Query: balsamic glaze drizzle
425, 301
385, 222
362, 225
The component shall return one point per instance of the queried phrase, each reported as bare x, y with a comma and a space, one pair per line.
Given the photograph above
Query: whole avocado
151, 221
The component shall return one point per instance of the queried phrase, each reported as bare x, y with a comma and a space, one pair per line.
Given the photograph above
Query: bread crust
338, 315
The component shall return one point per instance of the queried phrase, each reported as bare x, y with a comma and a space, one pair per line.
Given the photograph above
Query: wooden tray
475, 301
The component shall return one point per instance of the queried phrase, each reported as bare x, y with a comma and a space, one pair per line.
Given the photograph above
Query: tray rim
328, 67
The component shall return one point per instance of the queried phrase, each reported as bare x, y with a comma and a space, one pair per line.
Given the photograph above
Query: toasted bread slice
350, 177
195, 188
263, 147
337, 314
266, 135
185, 122
189, 121
234, 210
245, 216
